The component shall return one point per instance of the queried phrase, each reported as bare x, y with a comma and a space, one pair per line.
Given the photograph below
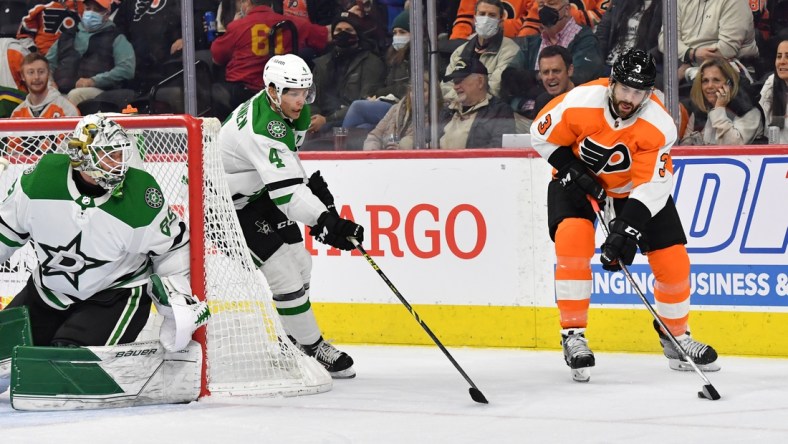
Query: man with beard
610, 139
43, 99
349, 71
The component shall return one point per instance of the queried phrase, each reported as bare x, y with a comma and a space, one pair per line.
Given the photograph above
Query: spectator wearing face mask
349, 71
366, 113
93, 57
488, 45
560, 28
512, 23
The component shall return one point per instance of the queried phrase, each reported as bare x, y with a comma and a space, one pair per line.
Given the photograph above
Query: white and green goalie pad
142, 373
14, 330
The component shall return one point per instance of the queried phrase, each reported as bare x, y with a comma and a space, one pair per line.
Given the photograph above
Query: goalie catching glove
333, 230
183, 313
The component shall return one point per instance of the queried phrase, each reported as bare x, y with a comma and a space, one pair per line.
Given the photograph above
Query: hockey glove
578, 182
620, 245
319, 188
333, 230
183, 313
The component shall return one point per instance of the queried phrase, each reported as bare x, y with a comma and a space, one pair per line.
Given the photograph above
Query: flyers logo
151, 7
605, 159
57, 20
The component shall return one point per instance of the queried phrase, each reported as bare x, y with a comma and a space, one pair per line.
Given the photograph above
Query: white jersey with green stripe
260, 154
85, 245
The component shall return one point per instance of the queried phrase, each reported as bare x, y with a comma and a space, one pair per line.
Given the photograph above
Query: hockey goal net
245, 348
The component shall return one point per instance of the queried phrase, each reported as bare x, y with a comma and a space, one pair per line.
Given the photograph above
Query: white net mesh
247, 348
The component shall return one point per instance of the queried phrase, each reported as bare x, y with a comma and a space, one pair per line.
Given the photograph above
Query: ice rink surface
408, 395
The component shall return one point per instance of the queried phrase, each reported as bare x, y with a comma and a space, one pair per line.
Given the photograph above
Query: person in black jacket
622, 17
476, 118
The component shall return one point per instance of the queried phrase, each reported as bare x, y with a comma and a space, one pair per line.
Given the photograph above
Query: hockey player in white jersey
106, 243
270, 189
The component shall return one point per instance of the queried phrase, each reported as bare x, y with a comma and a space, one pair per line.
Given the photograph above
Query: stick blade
477, 395
709, 392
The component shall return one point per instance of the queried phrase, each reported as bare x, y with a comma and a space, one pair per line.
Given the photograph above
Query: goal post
245, 347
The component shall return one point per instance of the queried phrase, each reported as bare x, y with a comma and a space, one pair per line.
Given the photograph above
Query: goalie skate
703, 355
338, 363
577, 355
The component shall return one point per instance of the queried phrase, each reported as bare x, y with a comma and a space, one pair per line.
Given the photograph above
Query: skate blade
683, 366
348, 373
581, 374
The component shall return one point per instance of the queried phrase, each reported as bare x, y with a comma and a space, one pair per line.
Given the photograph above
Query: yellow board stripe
620, 330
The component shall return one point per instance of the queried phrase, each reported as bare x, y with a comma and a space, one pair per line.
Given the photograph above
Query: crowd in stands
501, 62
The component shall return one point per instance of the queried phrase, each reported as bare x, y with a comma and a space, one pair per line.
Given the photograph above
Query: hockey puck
701, 395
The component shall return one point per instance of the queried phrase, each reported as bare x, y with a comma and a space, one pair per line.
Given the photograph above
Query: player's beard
622, 113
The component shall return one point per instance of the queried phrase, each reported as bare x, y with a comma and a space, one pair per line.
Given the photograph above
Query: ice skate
577, 355
338, 363
704, 356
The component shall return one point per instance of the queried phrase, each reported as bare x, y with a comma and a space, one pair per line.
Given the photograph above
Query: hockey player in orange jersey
611, 139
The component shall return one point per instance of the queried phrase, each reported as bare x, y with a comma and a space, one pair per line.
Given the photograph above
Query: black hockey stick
708, 391
476, 394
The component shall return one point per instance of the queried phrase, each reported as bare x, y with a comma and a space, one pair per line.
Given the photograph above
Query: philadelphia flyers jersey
630, 157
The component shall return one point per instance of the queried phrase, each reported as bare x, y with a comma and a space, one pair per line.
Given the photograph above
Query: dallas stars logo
277, 129
69, 261
263, 227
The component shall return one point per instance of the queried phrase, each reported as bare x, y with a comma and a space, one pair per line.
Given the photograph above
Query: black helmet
635, 69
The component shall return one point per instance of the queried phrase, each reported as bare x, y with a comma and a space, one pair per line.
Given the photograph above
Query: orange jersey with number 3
630, 157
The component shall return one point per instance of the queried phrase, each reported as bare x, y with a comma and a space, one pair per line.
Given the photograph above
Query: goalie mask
100, 148
285, 72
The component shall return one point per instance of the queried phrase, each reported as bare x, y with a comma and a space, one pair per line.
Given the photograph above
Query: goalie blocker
73, 378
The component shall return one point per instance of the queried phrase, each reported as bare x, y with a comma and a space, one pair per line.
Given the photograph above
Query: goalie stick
708, 391
476, 394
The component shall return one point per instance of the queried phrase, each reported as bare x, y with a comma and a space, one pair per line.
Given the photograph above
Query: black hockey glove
333, 230
319, 188
579, 183
620, 245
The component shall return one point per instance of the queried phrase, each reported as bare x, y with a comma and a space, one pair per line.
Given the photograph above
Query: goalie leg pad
14, 330
142, 373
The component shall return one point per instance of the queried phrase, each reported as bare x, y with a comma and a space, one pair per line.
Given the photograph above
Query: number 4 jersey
630, 157
88, 244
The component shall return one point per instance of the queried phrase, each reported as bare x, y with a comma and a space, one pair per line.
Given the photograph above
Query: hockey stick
708, 391
476, 394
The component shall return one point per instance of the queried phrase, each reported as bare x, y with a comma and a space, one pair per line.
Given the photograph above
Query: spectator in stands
475, 118
11, 64
395, 130
717, 29
349, 71
244, 49
366, 113
488, 45
372, 22
584, 12
319, 12
93, 57
629, 24
774, 94
43, 24
555, 73
135, 19
513, 18
721, 113
43, 99
559, 28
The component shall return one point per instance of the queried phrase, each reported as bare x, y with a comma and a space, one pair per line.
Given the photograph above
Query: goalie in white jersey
259, 144
99, 229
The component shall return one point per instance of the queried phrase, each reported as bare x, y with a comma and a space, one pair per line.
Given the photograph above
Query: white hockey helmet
287, 71
102, 149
